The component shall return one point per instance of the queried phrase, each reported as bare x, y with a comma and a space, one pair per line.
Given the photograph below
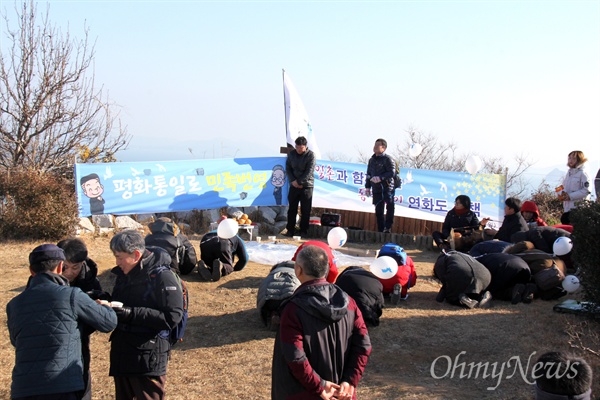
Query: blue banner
169, 186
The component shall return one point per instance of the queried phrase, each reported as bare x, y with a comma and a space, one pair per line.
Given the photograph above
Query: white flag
296, 119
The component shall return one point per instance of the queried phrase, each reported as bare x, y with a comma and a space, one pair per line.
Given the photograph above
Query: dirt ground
421, 350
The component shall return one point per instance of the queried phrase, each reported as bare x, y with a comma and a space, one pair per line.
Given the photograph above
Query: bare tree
445, 157
51, 112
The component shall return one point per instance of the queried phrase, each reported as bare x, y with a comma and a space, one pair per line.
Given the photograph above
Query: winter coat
384, 167
44, 324
487, 247
506, 270
530, 206
301, 168
460, 273
87, 280
512, 224
322, 336
163, 236
542, 237
366, 289
212, 247
139, 347
577, 185
406, 277
279, 285
454, 220
333, 269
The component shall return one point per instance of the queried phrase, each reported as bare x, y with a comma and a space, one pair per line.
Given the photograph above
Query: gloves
98, 295
124, 314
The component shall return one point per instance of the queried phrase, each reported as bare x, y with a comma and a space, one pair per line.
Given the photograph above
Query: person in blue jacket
44, 324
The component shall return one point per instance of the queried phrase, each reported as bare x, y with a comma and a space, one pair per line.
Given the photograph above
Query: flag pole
286, 149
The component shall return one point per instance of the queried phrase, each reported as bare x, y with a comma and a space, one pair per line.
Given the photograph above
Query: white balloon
227, 228
384, 267
563, 245
570, 283
337, 237
415, 149
473, 164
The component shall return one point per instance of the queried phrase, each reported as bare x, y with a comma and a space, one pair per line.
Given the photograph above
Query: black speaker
330, 219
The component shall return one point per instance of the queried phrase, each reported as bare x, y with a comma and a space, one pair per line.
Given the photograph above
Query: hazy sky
496, 77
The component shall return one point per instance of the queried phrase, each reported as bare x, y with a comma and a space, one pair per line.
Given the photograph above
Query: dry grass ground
227, 351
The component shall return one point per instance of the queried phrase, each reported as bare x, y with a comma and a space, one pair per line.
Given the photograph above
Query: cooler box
330, 219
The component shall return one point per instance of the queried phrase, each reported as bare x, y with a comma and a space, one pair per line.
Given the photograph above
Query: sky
203, 79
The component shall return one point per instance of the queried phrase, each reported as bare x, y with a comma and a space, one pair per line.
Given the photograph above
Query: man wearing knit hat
44, 326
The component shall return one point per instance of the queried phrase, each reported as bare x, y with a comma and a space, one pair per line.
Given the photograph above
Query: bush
35, 205
586, 252
551, 208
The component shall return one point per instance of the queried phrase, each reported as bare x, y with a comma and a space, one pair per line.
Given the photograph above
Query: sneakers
467, 301
216, 270
395, 298
204, 272
529, 293
486, 300
517, 293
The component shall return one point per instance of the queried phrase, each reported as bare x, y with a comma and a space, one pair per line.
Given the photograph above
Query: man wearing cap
44, 324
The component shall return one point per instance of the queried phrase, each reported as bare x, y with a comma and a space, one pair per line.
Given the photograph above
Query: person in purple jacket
323, 345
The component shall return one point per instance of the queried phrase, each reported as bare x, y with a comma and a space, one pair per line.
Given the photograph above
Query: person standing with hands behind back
322, 346
576, 185
380, 184
300, 170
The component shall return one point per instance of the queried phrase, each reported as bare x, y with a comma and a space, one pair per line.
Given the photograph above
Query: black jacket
301, 168
163, 236
512, 224
366, 289
322, 335
507, 270
138, 348
460, 273
454, 220
384, 167
212, 247
542, 237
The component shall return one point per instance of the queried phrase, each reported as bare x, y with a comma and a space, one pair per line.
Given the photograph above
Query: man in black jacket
152, 306
218, 255
300, 169
166, 235
82, 272
380, 183
513, 221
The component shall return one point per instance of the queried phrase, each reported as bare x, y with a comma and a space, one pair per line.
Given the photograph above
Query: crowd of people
321, 315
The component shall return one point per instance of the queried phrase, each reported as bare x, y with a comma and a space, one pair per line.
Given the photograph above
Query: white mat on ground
273, 253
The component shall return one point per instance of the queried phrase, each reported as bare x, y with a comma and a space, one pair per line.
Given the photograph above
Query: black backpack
176, 334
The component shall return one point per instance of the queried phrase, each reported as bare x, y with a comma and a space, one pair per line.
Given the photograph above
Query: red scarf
461, 211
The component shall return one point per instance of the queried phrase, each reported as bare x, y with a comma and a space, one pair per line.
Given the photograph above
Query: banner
296, 118
170, 186
425, 194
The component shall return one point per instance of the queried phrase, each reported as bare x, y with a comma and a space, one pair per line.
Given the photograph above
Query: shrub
550, 206
586, 252
35, 205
